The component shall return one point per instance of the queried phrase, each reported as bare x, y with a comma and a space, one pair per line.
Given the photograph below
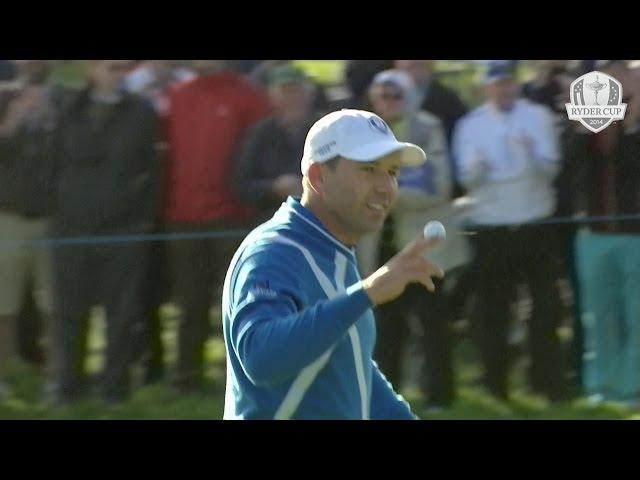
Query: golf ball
434, 230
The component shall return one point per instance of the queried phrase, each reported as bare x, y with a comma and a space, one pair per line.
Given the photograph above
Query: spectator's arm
545, 147
472, 168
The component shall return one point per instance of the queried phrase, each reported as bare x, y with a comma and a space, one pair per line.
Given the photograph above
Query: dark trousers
578, 333
434, 313
503, 258
30, 329
197, 269
155, 292
106, 274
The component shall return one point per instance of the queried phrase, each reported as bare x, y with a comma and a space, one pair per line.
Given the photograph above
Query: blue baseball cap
497, 71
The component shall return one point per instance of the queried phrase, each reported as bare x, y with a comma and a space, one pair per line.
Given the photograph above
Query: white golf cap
398, 78
355, 135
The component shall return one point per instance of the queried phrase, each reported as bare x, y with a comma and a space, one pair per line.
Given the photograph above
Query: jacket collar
307, 221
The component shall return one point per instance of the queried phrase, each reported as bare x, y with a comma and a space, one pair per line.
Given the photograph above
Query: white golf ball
434, 230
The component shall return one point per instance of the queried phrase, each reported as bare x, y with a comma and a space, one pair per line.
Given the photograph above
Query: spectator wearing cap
207, 124
260, 76
269, 167
424, 195
508, 157
607, 256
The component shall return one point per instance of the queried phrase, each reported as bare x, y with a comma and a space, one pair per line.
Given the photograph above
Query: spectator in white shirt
508, 156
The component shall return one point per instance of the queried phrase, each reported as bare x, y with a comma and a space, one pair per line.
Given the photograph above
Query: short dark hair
332, 163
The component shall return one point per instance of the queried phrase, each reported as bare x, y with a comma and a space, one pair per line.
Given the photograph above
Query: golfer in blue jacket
298, 320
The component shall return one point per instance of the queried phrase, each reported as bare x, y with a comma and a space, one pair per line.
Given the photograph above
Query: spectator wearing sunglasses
424, 194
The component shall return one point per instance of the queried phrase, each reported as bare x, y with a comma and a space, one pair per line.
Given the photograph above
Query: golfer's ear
315, 178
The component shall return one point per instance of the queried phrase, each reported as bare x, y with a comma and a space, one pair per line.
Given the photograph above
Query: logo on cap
378, 124
325, 149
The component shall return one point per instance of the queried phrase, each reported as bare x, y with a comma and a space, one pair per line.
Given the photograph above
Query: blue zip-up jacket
299, 329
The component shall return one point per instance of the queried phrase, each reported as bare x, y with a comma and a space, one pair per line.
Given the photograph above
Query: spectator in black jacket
106, 184
358, 77
431, 95
269, 168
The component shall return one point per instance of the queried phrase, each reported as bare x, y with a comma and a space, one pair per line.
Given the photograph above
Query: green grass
474, 403
325, 72
70, 73
161, 402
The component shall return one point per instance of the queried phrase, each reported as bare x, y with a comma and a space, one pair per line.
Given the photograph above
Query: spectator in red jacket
207, 122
